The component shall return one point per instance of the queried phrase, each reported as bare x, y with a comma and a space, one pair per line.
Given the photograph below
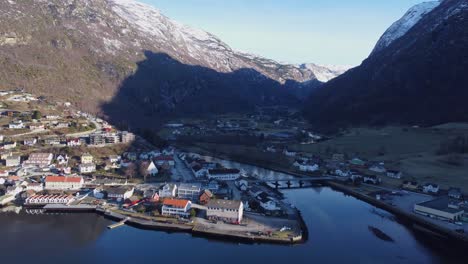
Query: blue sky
294, 31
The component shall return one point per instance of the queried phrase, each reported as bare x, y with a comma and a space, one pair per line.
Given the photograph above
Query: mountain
325, 73
419, 78
95, 53
403, 25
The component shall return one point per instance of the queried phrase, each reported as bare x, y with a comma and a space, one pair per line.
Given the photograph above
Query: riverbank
415, 220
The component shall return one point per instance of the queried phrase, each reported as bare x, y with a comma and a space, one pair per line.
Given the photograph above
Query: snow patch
403, 25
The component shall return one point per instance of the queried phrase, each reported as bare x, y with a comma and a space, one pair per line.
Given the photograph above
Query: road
181, 172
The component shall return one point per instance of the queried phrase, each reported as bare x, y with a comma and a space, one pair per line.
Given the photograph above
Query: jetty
121, 223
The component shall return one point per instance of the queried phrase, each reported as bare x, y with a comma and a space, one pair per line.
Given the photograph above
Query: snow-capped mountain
403, 25
119, 57
195, 46
325, 73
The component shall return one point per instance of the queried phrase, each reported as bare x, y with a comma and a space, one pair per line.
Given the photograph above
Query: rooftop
63, 179
440, 204
224, 204
176, 203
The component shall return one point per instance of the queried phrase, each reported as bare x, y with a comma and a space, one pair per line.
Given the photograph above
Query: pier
119, 224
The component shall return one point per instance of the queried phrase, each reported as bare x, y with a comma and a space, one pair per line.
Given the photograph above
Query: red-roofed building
176, 207
63, 183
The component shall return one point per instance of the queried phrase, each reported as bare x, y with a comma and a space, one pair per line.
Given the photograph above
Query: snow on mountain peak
325, 73
403, 25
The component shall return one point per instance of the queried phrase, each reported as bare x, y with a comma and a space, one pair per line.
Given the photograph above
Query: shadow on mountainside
162, 88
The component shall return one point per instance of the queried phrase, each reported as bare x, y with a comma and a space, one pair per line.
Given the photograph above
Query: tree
130, 171
37, 115
143, 169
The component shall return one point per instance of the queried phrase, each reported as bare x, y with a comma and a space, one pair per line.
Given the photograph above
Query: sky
340, 32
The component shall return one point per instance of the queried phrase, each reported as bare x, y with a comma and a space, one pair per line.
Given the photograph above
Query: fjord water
338, 233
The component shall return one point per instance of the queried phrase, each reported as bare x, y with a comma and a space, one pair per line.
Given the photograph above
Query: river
338, 233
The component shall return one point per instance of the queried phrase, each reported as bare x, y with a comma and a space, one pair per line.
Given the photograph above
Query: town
56, 158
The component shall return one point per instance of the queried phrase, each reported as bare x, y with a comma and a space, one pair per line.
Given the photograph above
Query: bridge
298, 179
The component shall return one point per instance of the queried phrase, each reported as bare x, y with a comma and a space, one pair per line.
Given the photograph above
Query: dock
121, 223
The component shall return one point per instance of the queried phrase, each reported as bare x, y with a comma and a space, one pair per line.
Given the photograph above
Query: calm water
338, 233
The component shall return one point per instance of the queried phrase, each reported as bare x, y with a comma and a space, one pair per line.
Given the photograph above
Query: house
127, 137
440, 208
371, 179
9, 145
3, 173
225, 210
52, 141
205, 197
176, 207
30, 141
306, 166
150, 168
52, 117
168, 190
243, 185
268, 204
394, 174
38, 127
357, 162
5, 154
430, 188
35, 186
16, 125
199, 171
289, 153
62, 125
342, 173
271, 149
13, 161
62, 159
455, 193
87, 167
87, 158
63, 182
410, 185
378, 168
49, 199
120, 193
159, 161
224, 174
39, 159
190, 191
73, 142
114, 158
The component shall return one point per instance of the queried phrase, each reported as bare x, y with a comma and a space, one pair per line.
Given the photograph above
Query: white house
87, 168
306, 166
16, 125
394, 174
13, 161
289, 153
62, 159
430, 188
379, 168
75, 142
169, 190
120, 193
39, 159
224, 174
225, 210
176, 207
342, 173
152, 169
190, 191
372, 179
63, 183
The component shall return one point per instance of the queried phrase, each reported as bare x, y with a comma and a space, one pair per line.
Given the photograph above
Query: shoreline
197, 230
414, 220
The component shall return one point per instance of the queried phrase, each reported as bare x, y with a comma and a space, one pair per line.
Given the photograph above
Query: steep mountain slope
85, 51
325, 73
403, 25
420, 78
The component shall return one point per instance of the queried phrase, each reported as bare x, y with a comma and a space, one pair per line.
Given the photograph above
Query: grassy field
411, 150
